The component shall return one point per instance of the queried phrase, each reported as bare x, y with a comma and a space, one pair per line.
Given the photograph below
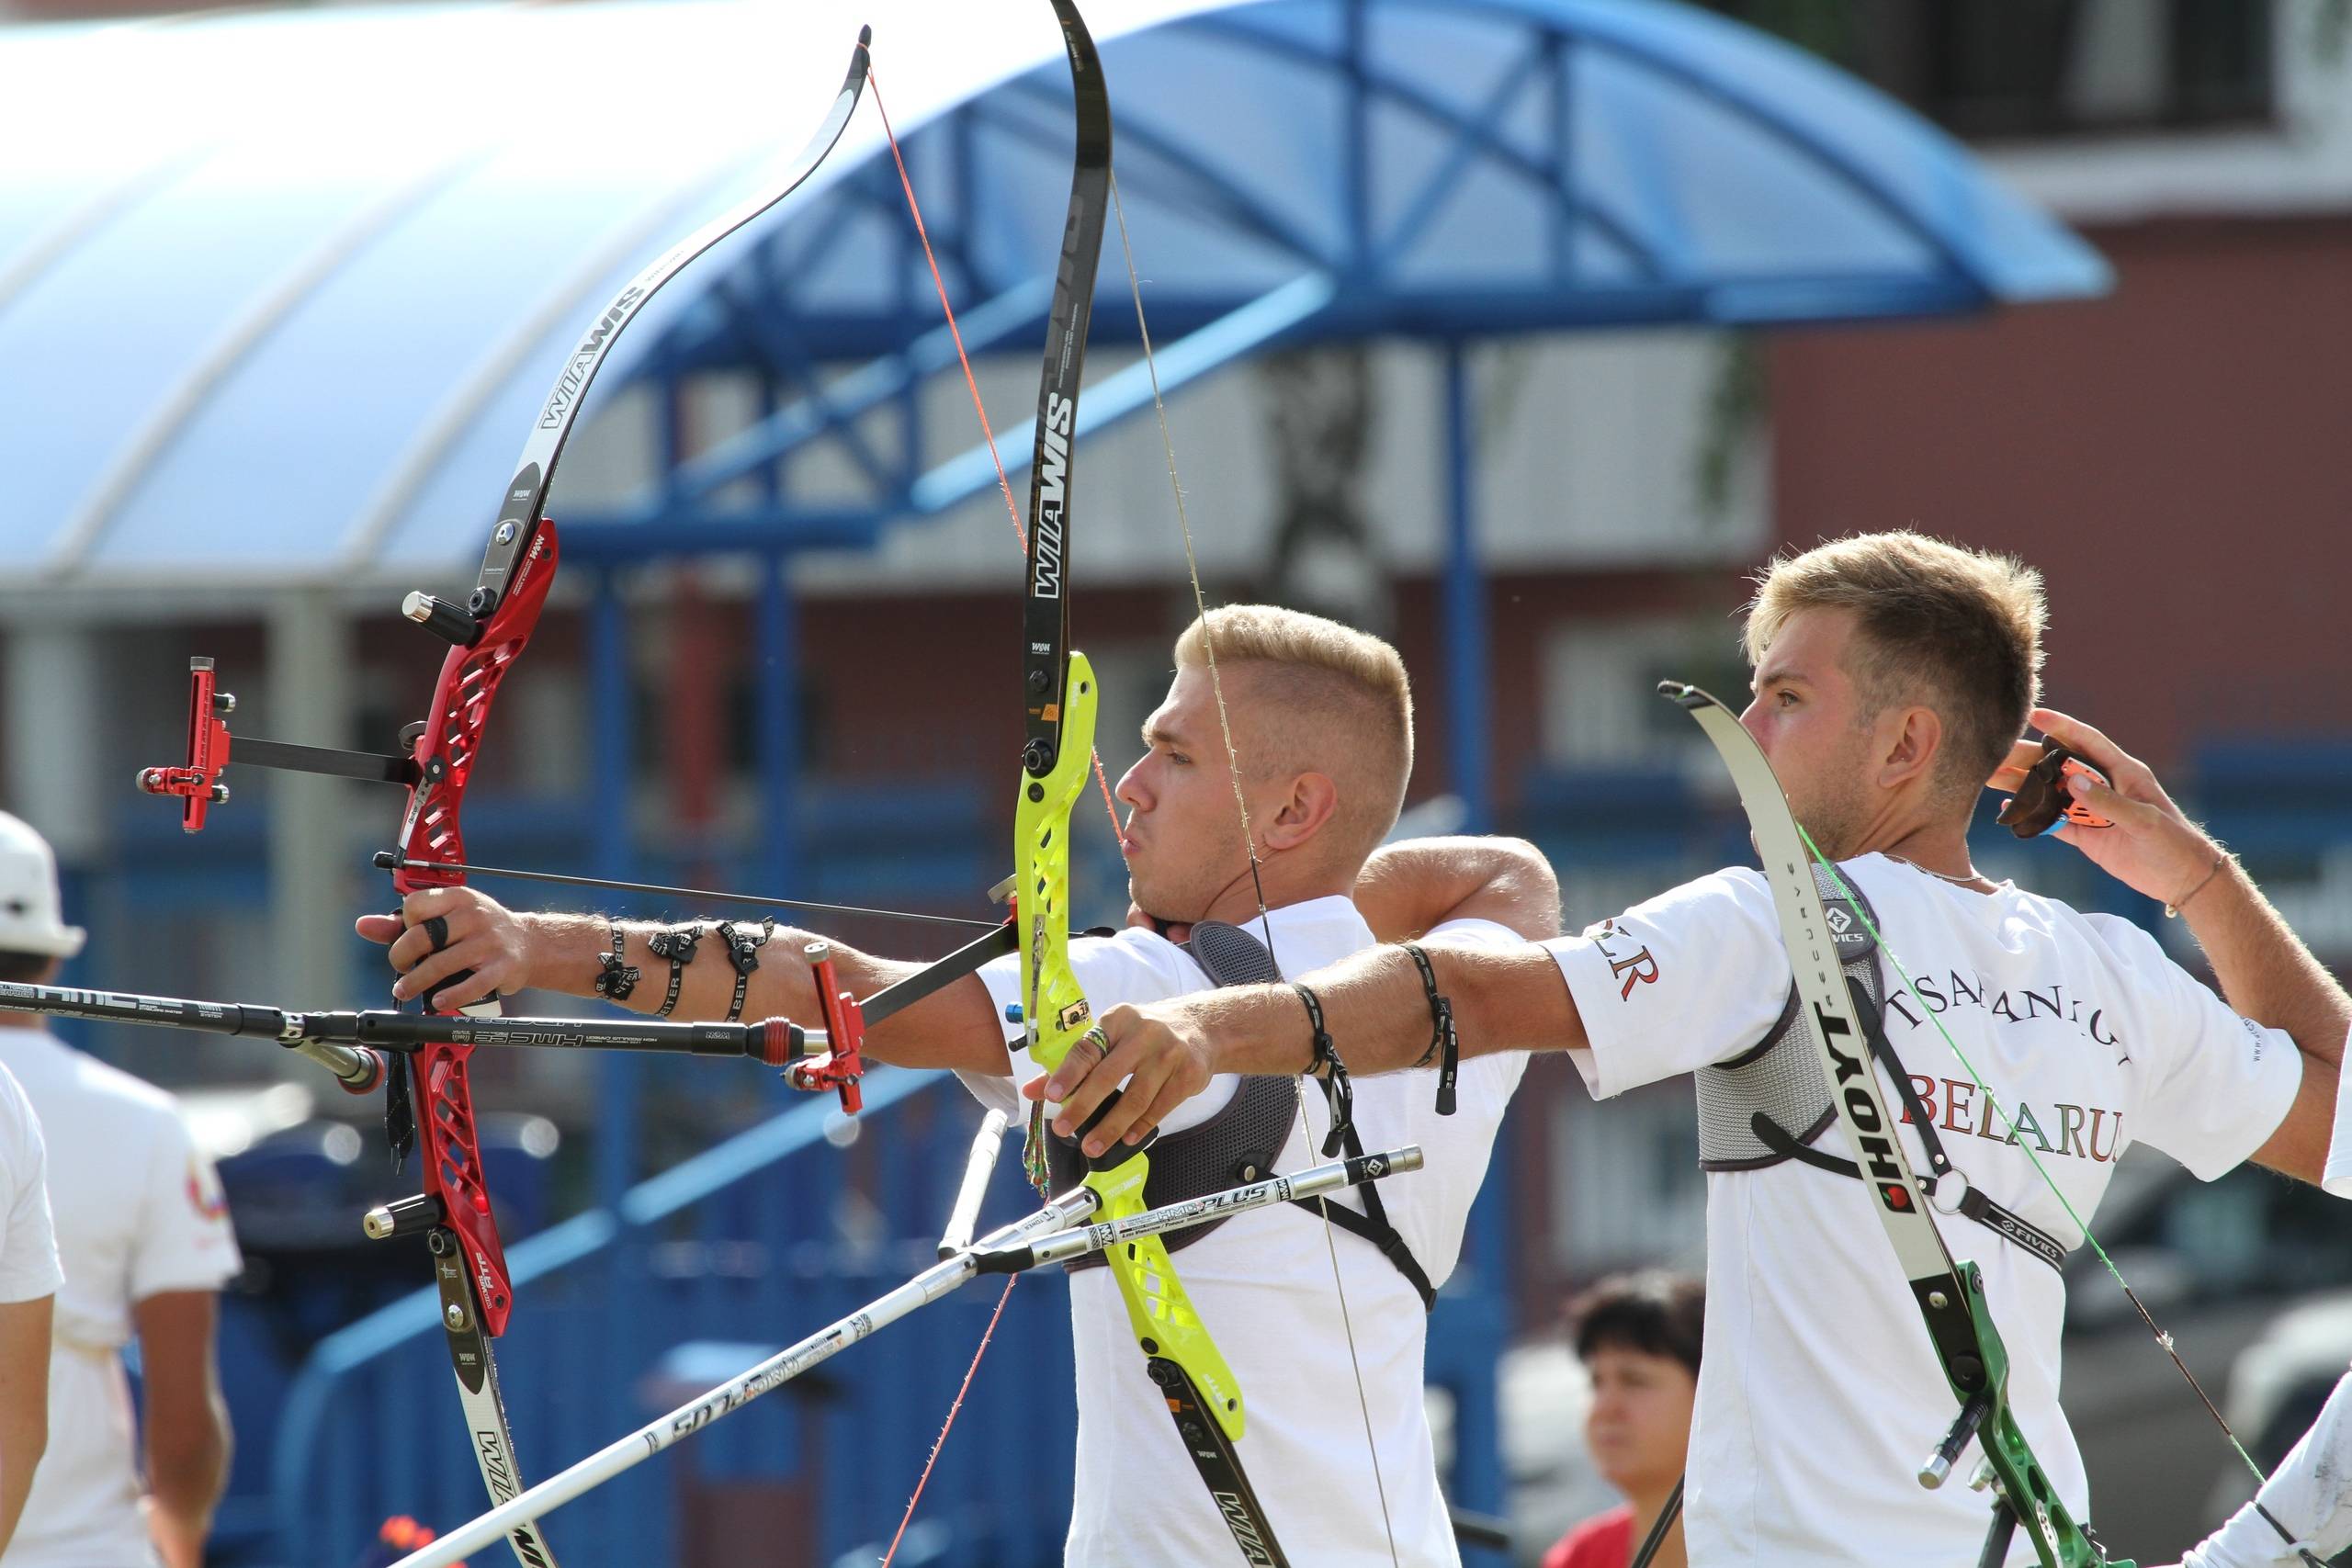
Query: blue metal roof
283, 292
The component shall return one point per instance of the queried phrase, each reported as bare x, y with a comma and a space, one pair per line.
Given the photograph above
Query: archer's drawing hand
1158, 1052
2152, 848
1177, 931
443, 931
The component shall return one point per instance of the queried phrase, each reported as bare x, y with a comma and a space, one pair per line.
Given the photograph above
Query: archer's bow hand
1160, 1053
442, 931
2152, 848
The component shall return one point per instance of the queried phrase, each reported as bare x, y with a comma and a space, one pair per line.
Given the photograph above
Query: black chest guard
1235, 1145
1770, 1103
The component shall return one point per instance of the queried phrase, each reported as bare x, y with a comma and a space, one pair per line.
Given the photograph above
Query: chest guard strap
1235, 1145
1240, 1144
1770, 1102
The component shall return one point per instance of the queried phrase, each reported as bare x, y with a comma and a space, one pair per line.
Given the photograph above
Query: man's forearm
24, 1404
187, 1469
1409, 889
187, 1461
20, 1451
955, 1027
2264, 969
186, 1426
1377, 1013
566, 955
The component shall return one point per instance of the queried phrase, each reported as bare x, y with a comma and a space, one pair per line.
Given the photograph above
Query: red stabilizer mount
198, 784
839, 1067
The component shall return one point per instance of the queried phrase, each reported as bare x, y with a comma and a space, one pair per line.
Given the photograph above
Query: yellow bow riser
1055, 1016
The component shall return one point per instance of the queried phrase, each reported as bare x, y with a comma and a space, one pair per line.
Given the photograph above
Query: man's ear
1303, 812
1911, 741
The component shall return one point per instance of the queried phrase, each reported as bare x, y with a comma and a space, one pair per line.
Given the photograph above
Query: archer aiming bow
1950, 1296
1060, 699
1059, 695
1201, 1392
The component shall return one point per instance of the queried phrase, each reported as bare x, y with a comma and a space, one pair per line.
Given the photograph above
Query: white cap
32, 916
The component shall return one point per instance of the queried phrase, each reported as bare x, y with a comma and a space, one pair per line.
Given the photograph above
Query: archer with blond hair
1321, 722
1894, 676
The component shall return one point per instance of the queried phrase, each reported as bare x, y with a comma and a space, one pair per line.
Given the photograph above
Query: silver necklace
1971, 880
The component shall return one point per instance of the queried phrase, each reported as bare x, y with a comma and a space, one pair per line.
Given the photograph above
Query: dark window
2004, 68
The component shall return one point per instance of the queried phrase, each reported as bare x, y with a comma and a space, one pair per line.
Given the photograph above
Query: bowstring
1248, 833
948, 1425
1021, 535
2162, 1335
394, 861
972, 385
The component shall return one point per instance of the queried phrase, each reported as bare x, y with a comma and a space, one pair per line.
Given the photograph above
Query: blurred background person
29, 1281
1638, 1338
143, 1236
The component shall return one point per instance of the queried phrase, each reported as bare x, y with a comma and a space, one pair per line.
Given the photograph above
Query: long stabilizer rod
341, 1041
1042, 1237
360, 1070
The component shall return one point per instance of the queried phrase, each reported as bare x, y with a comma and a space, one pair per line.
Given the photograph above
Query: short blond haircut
1305, 668
1954, 629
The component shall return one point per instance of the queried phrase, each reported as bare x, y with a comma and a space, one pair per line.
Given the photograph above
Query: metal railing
705, 1269
701, 1271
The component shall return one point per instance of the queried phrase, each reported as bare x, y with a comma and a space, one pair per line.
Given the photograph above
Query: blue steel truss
1565, 140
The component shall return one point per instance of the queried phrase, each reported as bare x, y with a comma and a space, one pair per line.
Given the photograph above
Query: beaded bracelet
743, 953
617, 978
1442, 1035
1339, 1094
677, 945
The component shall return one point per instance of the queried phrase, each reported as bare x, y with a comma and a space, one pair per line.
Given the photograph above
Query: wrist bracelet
1442, 1035
743, 953
677, 945
1339, 1094
617, 978
2221, 858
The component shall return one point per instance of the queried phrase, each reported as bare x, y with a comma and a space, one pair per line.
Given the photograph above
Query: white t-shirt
2305, 1494
2092, 1039
29, 1268
2337, 1178
1263, 1283
139, 1213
